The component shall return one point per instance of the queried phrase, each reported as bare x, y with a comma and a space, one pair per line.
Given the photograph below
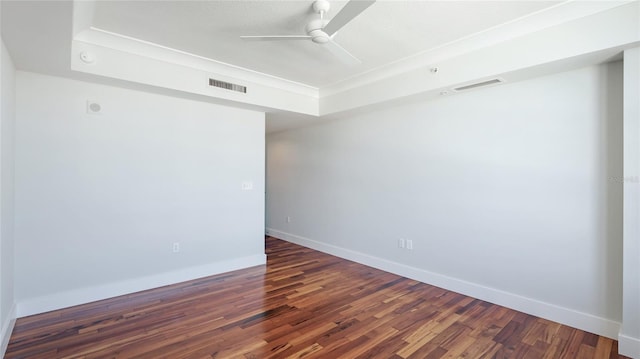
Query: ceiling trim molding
543, 38
107, 62
531, 23
132, 45
559, 48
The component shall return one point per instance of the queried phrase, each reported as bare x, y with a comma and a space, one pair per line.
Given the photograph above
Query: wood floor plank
302, 304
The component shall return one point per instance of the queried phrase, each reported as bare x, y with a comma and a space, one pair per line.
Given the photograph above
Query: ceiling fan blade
275, 38
352, 9
340, 52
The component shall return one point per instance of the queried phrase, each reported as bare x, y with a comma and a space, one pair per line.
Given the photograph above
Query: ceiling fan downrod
314, 27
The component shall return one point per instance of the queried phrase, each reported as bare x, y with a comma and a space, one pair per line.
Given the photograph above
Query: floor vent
227, 85
478, 84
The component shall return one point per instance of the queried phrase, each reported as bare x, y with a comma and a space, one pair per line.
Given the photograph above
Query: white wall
630, 331
512, 194
100, 199
7, 121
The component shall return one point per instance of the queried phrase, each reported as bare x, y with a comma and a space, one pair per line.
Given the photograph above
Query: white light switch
247, 186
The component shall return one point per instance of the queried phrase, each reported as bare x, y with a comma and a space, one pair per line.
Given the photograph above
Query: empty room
320, 179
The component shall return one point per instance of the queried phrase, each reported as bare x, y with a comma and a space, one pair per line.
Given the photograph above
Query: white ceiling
399, 43
384, 33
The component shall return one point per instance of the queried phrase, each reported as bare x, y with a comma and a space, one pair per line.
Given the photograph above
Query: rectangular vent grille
227, 85
478, 84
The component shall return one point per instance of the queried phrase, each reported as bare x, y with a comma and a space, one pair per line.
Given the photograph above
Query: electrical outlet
401, 243
176, 247
288, 219
410, 244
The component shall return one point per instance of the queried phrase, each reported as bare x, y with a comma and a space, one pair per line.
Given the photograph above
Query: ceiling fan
322, 32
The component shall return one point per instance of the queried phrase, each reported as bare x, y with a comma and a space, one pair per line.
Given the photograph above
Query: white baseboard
86, 295
629, 346
7, 329
587, 322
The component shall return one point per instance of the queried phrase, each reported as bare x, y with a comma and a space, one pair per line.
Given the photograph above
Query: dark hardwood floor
304, 304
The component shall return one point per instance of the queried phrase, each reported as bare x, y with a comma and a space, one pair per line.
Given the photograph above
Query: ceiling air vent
227, 85
479, 84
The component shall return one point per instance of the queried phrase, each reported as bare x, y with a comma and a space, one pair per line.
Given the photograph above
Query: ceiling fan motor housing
314, 29
321, 31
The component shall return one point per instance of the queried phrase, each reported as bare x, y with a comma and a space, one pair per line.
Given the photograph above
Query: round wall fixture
87, 57
93, 107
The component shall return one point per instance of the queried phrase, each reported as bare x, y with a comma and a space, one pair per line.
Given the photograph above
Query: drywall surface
630, 331
511, 193
7, 121
102, 198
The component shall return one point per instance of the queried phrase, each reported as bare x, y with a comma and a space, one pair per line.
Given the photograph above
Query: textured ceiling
386, 32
